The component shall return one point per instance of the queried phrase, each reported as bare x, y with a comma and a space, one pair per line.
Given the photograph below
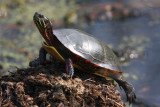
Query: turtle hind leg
69, 69
129, 90
41, 60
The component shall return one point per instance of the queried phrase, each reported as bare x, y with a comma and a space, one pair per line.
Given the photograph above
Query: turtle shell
88, 47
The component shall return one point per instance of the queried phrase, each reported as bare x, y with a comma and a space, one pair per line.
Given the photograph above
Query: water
147, 69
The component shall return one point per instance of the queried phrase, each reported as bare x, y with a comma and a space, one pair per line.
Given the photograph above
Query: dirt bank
44, 87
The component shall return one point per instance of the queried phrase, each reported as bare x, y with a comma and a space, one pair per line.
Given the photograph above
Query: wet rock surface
43, 86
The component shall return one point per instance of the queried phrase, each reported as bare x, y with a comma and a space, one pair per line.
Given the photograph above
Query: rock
44, 87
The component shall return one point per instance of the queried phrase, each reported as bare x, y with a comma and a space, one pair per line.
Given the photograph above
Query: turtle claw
129, 90
131, 97
64, 75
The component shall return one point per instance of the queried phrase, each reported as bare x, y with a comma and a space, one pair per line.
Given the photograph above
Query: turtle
81, 50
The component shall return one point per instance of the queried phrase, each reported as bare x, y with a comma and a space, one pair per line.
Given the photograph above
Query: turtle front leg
69, 69
129, 90
41, 60
42, 56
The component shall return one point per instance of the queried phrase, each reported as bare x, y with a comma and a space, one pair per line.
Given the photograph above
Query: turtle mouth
41, 21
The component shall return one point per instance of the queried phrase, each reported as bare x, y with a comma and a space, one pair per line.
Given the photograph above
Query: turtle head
42, 22
44, 26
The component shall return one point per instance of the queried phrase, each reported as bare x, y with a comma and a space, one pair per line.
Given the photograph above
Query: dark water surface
147, 69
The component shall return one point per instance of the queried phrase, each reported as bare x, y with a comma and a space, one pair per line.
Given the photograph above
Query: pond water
147, 85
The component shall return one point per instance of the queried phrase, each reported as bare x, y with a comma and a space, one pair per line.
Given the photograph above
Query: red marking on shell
77, 56
105, 74
95, 66
106, 68
86, 61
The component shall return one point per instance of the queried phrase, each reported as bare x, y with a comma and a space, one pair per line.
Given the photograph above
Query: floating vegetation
132, 47
138, 42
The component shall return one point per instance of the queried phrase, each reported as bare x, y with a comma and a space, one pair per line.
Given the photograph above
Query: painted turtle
81, 50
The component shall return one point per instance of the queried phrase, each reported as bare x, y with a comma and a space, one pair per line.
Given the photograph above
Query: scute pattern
88, 47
